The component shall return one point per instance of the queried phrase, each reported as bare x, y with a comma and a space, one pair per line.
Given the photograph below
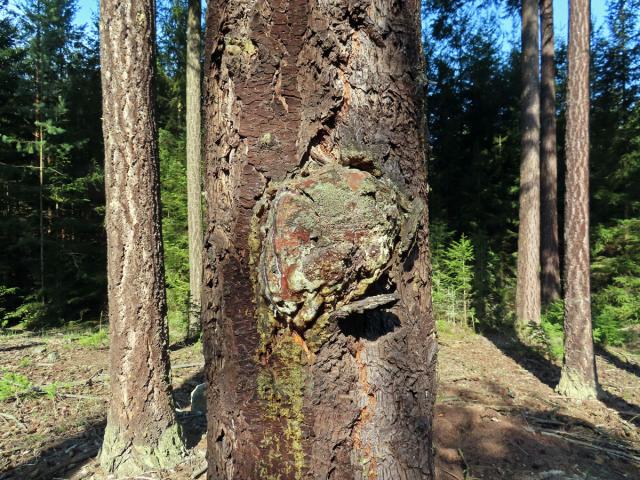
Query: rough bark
550, 256
194, 149
528, 281
141, 432
578, 379
319, 337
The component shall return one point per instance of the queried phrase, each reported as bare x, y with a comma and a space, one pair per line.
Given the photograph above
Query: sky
87, 8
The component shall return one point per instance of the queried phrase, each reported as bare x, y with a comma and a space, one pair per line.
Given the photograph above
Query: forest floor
497, 416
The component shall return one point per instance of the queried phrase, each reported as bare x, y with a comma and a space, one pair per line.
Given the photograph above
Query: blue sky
87, 8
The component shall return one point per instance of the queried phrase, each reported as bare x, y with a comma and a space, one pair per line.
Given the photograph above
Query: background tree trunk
548, 161
319, 338
528, 281
141, 432
194, 149
578, 379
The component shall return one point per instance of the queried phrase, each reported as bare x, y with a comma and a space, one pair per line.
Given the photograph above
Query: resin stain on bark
328, 235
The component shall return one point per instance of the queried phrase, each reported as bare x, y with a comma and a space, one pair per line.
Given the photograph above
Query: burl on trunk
319, 337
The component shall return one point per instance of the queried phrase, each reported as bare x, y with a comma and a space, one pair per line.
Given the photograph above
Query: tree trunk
548, 161
193, 169
528, 281
578, 379
319, 337
142, 432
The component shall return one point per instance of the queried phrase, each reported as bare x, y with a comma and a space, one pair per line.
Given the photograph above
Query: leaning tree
319, 337
142, 432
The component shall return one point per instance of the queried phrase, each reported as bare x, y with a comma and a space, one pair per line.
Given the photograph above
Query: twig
449, 473
198, 473
615, 453
186, 365
464, 462
82, 397
11, 417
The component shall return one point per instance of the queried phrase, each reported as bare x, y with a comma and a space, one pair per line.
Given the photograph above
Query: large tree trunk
528, 281
548, 161
194, 149
578, 378
142, 432
319, 337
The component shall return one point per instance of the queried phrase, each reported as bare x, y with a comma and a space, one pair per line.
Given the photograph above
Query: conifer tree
528, 280
578, 379
549, 253
193, 168
142, 432
318, 332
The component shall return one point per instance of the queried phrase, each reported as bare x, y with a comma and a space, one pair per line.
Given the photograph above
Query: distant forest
52, 235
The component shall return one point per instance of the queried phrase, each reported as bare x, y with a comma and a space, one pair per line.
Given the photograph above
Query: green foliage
30, 314
453, 278
51, 390
14, 385
552, 326
616, 282
174, 229
99, 339
50, 85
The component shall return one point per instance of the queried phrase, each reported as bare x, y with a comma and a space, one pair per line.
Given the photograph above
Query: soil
497, 415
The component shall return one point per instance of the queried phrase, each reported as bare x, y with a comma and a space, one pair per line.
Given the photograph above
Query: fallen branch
83, 397
571, 439
187, 365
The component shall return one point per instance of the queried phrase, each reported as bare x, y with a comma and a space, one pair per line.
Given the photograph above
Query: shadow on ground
69, 454
549, 373
614, 359
507, 442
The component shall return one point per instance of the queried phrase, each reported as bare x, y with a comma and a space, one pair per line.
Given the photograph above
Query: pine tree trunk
578, 378
319, 337
193, 169
528, 281
142, 432
549, 162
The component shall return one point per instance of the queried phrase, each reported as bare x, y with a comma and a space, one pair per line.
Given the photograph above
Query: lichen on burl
328, 236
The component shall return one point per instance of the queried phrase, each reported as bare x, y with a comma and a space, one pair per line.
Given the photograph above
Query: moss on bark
573, 385
124, 458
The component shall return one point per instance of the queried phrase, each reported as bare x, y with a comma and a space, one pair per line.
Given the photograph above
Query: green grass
25, 361
15, 385
99, 339
452, 331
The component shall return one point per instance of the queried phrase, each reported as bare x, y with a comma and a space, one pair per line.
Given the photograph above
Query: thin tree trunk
549, 162
578, 379
40, 144
528, 281
142, 432
193, 169
41, 203
319, 337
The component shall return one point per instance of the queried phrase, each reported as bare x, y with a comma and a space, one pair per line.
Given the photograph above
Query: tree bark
319, 337
578, 379
142, 432
528, 281
549, 162
194, 149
